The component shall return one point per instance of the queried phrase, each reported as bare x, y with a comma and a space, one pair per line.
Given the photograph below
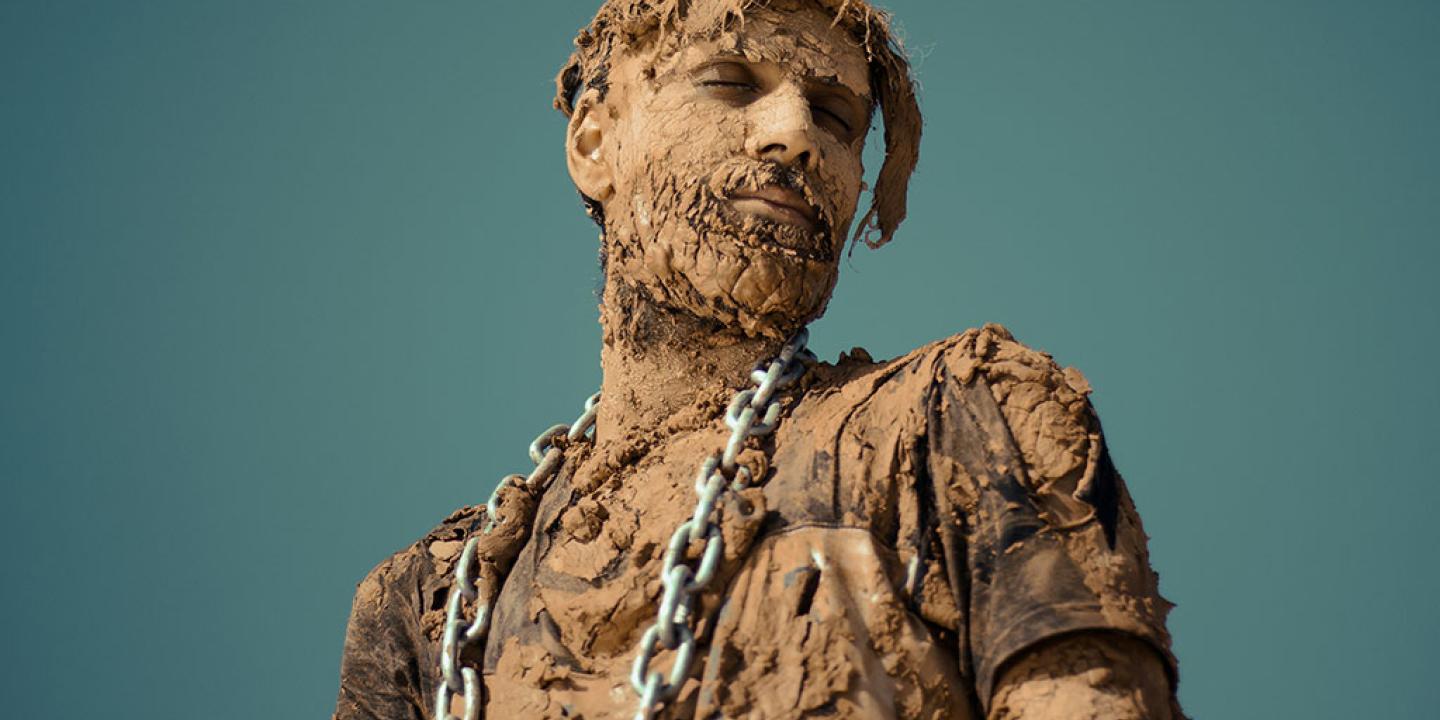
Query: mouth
779, 204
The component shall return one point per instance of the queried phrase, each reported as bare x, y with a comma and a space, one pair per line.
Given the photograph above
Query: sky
282, 284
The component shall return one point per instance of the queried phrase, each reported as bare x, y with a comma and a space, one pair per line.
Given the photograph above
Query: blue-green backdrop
282, 283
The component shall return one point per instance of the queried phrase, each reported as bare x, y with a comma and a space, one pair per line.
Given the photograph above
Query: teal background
283, 283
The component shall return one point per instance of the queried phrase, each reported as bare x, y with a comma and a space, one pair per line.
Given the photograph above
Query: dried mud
664, 165
855, 577
624, 26
938, 536
1086, 677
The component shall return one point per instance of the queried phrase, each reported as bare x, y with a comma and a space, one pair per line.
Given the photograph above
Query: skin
729, 170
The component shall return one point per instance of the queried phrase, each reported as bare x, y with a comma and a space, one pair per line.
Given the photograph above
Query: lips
779, 203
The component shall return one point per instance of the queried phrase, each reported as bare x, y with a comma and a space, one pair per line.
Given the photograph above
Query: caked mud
673, 163
876, 572
938, 536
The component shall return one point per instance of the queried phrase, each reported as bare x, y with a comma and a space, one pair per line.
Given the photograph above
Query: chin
757, 275
763, 289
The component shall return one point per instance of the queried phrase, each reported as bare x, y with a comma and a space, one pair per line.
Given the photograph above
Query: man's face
736, 168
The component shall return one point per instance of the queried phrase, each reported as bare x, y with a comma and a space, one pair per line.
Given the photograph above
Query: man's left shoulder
1046, 406
992, 354
989, 353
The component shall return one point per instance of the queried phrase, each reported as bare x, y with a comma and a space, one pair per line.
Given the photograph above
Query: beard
721, 219
686, 247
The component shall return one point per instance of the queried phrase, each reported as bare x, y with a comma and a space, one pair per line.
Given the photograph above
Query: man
939, 536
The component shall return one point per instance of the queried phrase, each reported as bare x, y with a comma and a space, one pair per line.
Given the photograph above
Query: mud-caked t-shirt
917, 524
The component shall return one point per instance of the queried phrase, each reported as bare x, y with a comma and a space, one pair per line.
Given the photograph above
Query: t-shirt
916, 524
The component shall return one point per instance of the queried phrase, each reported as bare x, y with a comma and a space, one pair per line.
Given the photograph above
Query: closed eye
835, 117
730, 80
727, 83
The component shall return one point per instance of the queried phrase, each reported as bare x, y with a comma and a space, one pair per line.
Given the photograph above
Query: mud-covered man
938, 536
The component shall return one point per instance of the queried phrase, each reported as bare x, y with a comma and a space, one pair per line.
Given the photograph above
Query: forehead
804, 42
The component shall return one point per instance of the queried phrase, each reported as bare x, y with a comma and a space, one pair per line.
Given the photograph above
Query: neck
666, 370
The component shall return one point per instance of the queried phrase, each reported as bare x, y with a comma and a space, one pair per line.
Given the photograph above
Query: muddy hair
627, 23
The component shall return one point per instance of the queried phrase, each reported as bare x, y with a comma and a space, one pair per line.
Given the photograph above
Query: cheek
698, 139
842, 172
675, 138
690, 128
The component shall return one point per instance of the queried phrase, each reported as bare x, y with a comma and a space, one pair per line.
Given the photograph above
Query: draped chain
460, 634
753, 412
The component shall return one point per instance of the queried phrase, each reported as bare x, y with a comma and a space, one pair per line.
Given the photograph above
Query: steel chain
752, 413
455, 678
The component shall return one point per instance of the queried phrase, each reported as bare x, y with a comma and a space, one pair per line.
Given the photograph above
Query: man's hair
627, 23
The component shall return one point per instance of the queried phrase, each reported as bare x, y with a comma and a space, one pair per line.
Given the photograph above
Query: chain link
455, 678
752, 413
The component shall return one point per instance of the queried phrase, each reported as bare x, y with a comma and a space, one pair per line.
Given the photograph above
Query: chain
753, 412
455, 678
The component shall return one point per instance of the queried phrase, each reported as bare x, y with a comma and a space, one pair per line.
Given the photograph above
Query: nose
782, 129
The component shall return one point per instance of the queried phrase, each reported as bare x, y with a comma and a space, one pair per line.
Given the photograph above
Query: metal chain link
455, 678
752, 413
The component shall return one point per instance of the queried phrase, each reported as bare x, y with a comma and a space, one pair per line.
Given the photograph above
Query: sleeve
386, 652
1047, 539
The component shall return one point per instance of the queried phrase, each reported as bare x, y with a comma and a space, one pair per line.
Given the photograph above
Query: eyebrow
718, 59
833, 83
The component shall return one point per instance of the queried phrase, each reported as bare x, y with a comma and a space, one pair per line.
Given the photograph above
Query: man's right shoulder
395, 624
432, 556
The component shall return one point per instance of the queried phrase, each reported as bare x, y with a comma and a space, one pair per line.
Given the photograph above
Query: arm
1088, 676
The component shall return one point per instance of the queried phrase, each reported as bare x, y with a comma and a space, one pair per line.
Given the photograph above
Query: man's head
719, 142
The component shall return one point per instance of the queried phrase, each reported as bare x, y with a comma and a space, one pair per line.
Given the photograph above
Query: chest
591, 574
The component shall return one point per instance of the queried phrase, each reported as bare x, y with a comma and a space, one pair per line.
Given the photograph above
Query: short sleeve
380, 667
388, 666
1051, 541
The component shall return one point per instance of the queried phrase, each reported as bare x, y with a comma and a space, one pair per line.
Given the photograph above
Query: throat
665, 370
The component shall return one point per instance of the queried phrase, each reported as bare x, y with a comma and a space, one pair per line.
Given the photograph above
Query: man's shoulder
1009, 366
1045, 407
989, 353
395, 623
430, 557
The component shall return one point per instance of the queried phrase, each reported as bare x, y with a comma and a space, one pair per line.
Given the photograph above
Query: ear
585, 148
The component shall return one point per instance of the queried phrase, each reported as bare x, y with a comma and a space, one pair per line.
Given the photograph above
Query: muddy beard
685, 247
719, 219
